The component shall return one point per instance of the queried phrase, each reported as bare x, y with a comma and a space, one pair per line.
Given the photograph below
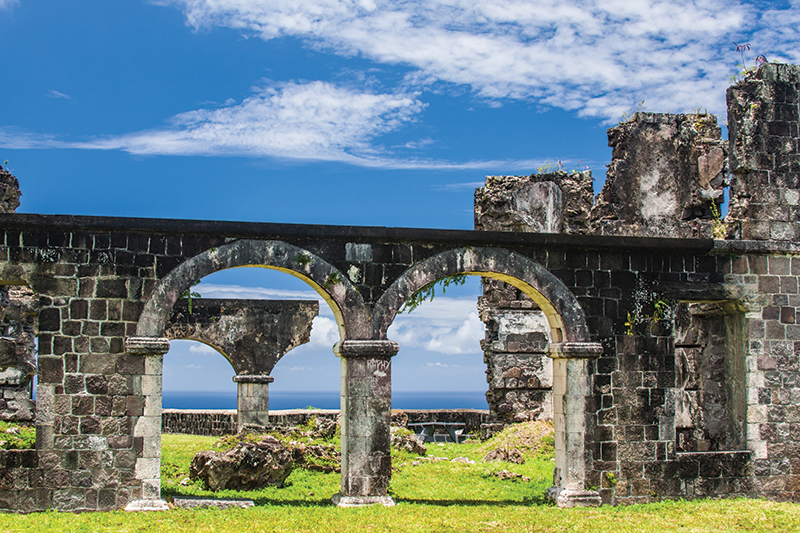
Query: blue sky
345, 112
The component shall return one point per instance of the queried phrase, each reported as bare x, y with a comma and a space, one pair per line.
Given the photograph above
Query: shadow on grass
537, 501
260, 501
320, 501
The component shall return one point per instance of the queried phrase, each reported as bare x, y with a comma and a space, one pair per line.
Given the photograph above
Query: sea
324, 400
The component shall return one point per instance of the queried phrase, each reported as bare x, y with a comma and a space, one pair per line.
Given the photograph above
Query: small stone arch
570, 348
345, 301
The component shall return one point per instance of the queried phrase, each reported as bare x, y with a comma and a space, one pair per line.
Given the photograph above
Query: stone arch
570, 348
564, 314
343, 298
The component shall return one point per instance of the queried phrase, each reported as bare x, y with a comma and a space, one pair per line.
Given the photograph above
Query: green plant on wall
188, 294
719, 228
662, 310
428, 291
332, 280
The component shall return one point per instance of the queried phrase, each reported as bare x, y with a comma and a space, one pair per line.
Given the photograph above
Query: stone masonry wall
223, 422
19, 309
764, 117
666, 171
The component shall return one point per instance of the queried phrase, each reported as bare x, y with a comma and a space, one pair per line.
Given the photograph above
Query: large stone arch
345, 301
334, 287
564, 313
571, 348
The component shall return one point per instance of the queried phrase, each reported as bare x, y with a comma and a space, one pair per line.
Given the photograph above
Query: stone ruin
668, 359
667, 178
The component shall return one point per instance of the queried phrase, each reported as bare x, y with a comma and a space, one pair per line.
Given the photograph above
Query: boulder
247, 466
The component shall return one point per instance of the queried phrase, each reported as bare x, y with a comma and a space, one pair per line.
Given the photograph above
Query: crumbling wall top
9, 192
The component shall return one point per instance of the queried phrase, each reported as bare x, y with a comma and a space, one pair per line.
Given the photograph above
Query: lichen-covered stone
666, 173
247, 466
9, 192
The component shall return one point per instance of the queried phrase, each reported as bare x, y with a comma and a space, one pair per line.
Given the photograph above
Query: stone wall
19, 310
223, 422
666, 171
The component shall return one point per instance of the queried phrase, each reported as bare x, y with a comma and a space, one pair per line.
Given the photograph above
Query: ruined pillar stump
570, 392
365, 416
252, 400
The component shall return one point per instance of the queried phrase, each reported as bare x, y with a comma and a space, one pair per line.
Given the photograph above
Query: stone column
570, 392
148, 426
366, 391
252, 399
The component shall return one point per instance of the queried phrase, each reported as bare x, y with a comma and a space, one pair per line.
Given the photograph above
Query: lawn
431, 495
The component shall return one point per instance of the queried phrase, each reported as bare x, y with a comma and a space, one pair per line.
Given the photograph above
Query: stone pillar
365, 416
148, 426
764, 129
570, 393
252, 400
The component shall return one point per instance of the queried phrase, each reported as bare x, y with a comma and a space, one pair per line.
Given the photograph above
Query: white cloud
447, 326
213, 290
7, 3
199, 347
309, 121
57, 94
594, 56
315, 121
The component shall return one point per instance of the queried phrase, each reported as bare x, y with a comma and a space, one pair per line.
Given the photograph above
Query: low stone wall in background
223, 421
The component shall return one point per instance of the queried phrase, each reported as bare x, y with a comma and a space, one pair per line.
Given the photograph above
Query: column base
566, 498
361, 501
147, 505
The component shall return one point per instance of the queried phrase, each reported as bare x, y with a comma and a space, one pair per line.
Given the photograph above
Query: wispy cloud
57, 94
7, 3
593, 56
310, 121
314, 121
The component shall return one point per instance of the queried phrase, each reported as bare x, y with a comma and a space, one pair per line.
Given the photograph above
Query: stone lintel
361, 501
366, 348
147, 345
205, 503
147, 505
253, 378
576, 350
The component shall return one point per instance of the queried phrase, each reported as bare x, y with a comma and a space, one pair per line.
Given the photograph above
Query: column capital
147, 345
576, 350
366, 348
252, 378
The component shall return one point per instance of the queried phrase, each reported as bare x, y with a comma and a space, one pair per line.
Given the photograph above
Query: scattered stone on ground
406, 440
463, 460
508, 455
505, 474
247, 466
316, 457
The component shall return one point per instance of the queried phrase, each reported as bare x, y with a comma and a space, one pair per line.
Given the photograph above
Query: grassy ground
432, 495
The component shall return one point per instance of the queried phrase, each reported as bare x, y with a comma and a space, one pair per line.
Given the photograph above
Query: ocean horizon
325, 400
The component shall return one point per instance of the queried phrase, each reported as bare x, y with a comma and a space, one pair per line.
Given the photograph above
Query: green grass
432, 496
